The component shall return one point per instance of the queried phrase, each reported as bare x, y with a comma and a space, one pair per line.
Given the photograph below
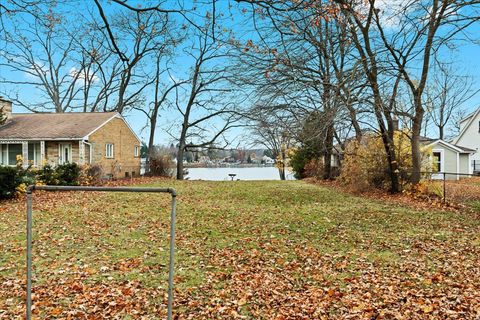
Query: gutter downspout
90, 151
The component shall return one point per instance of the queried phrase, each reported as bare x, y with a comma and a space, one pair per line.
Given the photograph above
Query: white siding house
469, 136
450, 159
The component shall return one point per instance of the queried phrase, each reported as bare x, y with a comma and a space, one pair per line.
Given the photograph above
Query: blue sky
465, 57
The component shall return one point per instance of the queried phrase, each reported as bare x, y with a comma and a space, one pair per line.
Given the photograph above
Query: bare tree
161, 100
41, 53
445, 96
208, 109
422, 28
273, 132
305, 53
133, 37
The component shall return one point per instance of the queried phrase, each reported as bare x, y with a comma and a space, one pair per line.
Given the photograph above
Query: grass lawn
245, 250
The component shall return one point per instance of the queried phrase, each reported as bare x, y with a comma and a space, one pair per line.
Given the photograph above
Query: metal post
29, 254
444, 187
171, 269
172, 253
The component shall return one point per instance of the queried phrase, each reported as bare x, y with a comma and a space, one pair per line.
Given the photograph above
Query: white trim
458, 166
60, 155
81, 153
107, 156
119, 116
470, 164
42, 153
90, 151
469, 123
104, 123
136, 151
441, 170
17, 140
133, 132
451, 146
7, 151
25, 154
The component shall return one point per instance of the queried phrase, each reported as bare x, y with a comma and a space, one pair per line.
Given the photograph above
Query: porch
39, 153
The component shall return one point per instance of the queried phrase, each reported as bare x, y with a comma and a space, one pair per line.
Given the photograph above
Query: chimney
6, 107
395, 124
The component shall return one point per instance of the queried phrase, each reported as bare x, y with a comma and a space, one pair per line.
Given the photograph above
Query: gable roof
454, 147
471, 117
54, 126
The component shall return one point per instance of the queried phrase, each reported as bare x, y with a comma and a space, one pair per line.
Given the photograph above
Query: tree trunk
281, 167
180, 154
151, 139
416, 130
327, 157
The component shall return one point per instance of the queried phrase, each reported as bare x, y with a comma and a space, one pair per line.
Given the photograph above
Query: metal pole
444, 188
30, 190
172, 253
29, 255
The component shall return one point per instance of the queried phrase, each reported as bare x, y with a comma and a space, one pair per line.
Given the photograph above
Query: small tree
365, 165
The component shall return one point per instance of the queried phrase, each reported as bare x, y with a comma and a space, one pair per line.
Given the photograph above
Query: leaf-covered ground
245, 250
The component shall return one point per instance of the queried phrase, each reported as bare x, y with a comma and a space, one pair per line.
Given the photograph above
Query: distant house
103, 139
448, 158
469, 137
267, 160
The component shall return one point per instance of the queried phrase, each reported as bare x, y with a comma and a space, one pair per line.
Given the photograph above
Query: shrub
64, 175
14, 180
91, 175
314, 168
300, 161
161, 165
9, 181
48, 175
69, 174
365, 164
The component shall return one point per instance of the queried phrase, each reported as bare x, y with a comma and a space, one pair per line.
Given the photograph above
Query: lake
242, 173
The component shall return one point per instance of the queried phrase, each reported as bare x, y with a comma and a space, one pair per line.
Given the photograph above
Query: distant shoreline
227, 165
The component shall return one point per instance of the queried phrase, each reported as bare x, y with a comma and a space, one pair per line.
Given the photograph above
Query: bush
69, 174
14, 180
63, 175
48, 175
91, 175
314, 168
300, 162
161, 165
365, 164
9, 181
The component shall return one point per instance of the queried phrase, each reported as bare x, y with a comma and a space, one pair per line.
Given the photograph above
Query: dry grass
245, 250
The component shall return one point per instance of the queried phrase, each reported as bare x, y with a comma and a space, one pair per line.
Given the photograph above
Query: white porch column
25, 154
42, 154
81, 152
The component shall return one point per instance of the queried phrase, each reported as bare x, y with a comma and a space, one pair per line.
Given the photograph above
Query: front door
65, 153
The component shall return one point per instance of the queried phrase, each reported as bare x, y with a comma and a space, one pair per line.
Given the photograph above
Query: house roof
452, 146
471, 117
53, 126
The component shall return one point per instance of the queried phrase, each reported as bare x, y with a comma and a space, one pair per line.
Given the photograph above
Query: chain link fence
463, 188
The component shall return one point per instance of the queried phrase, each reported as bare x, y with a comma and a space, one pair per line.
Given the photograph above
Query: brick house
103, 139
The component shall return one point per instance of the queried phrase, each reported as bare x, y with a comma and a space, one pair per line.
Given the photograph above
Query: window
437, 161
9, 154
4, 154
137, 151
64, 153
109, 150
34, 153
478, 126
